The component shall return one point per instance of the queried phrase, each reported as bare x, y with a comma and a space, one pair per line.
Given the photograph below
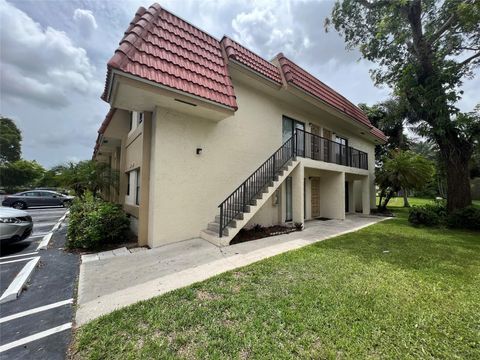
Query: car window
46, 194
31, 193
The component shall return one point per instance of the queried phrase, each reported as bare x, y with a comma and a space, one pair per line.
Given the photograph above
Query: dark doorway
346, 197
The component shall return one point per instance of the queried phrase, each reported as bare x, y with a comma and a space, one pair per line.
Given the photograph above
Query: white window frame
132, 196
136, 118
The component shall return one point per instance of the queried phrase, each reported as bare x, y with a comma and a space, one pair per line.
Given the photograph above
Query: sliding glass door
288, 127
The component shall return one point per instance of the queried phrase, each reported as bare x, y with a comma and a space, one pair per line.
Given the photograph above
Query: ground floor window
133, 187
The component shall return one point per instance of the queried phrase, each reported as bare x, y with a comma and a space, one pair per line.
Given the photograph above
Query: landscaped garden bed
258, 232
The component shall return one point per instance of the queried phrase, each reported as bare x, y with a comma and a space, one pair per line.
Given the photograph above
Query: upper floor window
136, 118
341, 140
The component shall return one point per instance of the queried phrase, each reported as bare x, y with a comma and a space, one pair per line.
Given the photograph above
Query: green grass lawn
388, 291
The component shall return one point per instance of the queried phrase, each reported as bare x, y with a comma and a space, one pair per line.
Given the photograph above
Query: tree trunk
405, 198
458, 181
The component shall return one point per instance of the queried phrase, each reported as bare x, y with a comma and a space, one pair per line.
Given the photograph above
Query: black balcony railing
315, 147
302, 144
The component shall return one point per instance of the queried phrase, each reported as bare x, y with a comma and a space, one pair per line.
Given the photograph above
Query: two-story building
209, 137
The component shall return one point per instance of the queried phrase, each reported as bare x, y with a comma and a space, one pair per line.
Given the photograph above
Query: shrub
298, 226
94, 222
466, 218
429, 214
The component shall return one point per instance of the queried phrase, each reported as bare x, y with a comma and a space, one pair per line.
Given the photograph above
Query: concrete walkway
115, 282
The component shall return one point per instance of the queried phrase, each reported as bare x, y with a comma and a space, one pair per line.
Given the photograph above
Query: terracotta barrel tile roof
160, 47
378, 133
237, 52
297, 76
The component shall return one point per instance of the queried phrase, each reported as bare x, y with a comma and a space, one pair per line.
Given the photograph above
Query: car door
32, 198
49, 199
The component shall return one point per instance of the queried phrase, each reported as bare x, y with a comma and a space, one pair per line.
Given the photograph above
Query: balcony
315, 147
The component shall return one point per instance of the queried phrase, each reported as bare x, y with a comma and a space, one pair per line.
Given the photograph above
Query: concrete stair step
215, 227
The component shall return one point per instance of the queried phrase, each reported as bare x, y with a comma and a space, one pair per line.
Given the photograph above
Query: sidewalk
115, 282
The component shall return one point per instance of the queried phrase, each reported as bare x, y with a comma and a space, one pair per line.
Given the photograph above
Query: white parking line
19, 255
34, 337
35, 310
16, 286
46, 239
44, 243
16, 260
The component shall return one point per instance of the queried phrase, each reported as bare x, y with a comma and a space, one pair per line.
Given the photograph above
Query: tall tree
10, 138
20, 173
390, 116
424, 49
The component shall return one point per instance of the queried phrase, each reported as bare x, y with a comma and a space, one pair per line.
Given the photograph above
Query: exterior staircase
238, 208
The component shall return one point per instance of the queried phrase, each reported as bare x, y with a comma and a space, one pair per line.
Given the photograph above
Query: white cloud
41, 64
85, 21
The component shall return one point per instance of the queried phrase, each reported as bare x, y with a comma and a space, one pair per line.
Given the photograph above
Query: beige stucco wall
186, 188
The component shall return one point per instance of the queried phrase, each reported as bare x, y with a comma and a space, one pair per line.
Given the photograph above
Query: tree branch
467, 60
451, 20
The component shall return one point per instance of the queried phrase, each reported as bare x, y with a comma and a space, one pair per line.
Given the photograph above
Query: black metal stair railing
303, 144
237, 202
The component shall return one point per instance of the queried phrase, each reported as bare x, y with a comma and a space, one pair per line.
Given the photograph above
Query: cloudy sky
53, 57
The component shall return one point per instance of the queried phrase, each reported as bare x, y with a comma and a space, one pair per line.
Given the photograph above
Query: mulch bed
261, 232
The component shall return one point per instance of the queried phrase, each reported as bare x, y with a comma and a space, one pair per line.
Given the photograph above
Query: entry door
315, 142
315, 197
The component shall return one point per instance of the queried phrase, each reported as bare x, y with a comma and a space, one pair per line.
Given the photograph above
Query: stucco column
351, 196
332, 195
297, 194
145, 181
366, 195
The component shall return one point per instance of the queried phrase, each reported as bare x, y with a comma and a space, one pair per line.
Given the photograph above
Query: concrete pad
105, 255
137, 249
119, 281
121, 252
89, 257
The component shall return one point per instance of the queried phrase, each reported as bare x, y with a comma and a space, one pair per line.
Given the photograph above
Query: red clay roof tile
237, 52
297, 76
162, 48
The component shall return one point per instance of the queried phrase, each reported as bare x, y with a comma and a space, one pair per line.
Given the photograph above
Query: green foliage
94, 223
428, 214
390, 117
466, 218
20, 173
436, 214
425, 50
10, 138
402, 170
86, 176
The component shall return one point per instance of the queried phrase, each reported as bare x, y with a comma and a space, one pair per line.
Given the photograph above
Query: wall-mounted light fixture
199, 151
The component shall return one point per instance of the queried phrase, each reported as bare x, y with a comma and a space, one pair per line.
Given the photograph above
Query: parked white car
15, 225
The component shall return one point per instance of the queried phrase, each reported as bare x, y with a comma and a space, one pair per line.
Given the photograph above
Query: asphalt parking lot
37, 325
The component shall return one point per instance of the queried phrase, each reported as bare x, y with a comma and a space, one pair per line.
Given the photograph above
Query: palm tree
88, 175
402, 170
